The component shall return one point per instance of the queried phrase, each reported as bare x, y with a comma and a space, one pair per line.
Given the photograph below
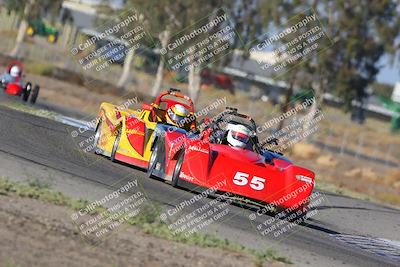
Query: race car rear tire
26, 92
97, 137
35, 94
177, 169
115, 146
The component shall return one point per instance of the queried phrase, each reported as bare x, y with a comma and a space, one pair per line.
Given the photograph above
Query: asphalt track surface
27, 139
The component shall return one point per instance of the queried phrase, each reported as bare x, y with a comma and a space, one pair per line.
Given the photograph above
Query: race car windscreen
169, 98
235, 119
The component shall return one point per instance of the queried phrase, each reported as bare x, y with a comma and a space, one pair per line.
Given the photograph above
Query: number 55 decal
242, 179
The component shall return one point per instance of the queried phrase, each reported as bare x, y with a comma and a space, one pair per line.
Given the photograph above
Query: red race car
227, 157
11, 82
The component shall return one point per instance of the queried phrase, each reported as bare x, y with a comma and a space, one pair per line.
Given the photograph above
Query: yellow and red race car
126, 135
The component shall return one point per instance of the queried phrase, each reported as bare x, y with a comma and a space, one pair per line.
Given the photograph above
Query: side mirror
232, 109
273, 141
173, 90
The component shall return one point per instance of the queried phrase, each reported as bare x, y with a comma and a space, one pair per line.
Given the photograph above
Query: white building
396, 93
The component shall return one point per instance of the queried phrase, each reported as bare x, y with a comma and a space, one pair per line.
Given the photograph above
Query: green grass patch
147, 220
40, 68
11, 263
36, 191
30, 110
39, 184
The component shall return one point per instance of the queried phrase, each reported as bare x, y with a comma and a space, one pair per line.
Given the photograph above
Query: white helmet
238, 135
15, 71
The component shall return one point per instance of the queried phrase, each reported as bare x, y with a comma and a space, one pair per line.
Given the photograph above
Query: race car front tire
153, 161
177, 169
97, 137
26, 92
115, 146
157, 158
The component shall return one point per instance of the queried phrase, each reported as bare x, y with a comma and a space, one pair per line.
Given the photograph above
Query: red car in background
219, 80
205, 160
12, 84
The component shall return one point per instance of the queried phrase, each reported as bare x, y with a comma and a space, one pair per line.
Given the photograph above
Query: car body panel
216, 166
13, 89
133, 124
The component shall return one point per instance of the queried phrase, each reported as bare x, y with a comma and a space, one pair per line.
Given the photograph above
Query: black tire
26, 92
177, 170
153, 160
158, 158
35, 94
116, 145
97, 136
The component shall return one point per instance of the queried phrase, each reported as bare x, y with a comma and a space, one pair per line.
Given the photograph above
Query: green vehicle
38, 27
395, 107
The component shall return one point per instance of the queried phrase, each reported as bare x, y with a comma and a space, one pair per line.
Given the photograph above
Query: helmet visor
240, 137
175, 117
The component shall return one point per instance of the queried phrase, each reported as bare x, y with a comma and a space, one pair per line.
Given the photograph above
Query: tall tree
195, 11
362, 32
106, 12
279, 15
159, 19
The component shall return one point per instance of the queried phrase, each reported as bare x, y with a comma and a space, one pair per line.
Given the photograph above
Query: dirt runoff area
34, 233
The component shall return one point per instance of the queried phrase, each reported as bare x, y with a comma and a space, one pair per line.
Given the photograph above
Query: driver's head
15, 71
238, 135
176, 115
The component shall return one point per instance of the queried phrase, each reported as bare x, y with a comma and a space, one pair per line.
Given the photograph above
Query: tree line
361, 33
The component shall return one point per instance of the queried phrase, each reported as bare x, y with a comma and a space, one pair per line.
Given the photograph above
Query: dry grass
392, 178
392, 199
372, 138
327, 161
305, 151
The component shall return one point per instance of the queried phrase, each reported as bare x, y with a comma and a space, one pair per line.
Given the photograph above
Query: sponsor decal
305, 179
134, 131
125, 151
195, 148
186, 176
